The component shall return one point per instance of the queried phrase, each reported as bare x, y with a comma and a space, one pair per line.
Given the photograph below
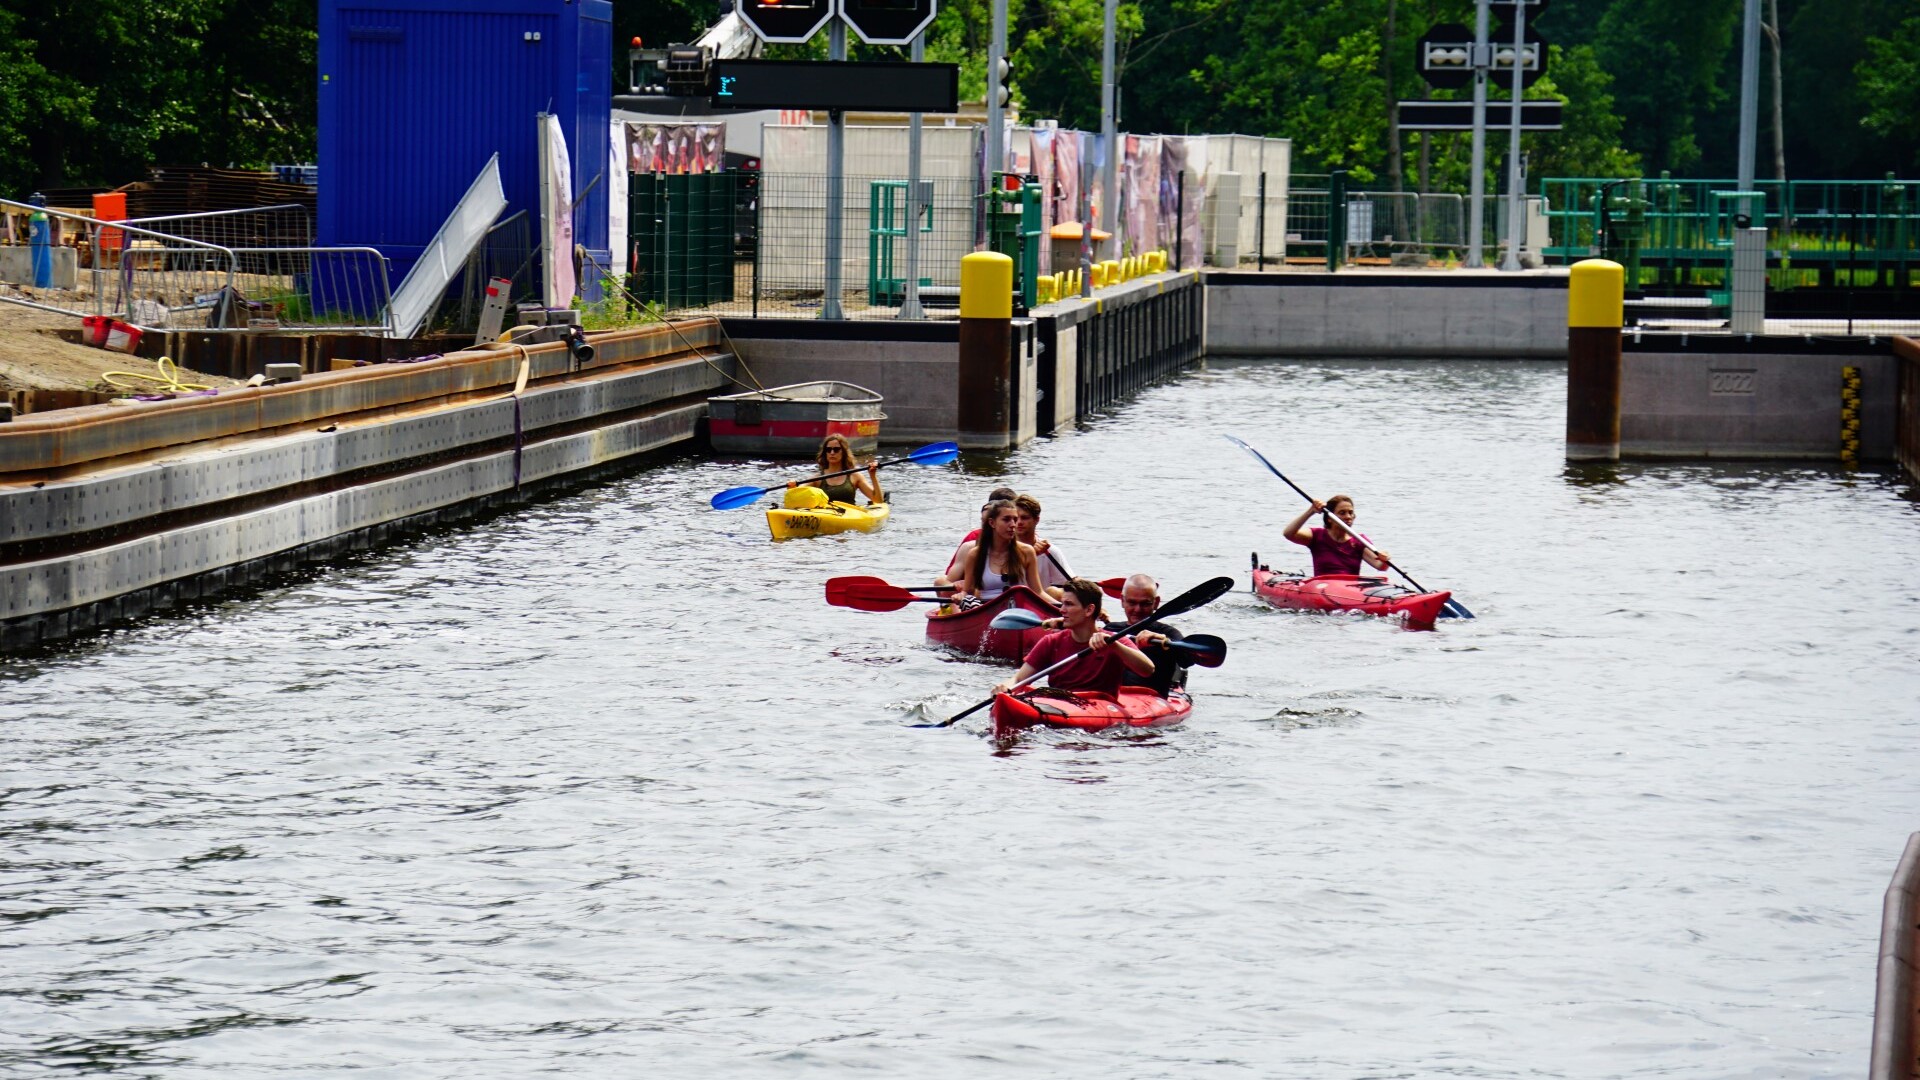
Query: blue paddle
1452, 607
1206, 649
939, 453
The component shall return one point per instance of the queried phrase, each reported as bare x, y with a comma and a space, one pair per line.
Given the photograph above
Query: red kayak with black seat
967, 630
1348, 592
1087, 710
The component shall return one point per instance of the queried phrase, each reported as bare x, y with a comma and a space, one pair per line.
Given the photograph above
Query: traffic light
1445, 56
786, 21
888, 22
1002, 69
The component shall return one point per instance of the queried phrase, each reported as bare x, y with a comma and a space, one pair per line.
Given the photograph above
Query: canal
602, 785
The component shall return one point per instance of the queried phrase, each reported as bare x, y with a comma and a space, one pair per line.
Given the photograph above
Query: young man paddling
1139, 599
1101, 669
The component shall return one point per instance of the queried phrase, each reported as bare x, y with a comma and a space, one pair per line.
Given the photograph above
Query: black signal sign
786, 21
888, 22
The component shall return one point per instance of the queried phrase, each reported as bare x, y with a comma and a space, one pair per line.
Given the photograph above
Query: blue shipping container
416, 95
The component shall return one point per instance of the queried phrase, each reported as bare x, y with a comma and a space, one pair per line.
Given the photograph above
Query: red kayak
967, 631
1087, 710
1348, 592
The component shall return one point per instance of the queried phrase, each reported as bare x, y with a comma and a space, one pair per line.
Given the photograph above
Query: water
602, 787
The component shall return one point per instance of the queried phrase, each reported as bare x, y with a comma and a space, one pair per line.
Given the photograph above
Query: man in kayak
1102, 668
1053, 570
1140, 598
1336, 549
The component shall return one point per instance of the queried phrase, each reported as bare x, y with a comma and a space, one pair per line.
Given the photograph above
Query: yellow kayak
835, 517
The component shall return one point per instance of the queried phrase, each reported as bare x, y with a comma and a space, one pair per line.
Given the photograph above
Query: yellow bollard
986, 351
1099, 270
1596, 291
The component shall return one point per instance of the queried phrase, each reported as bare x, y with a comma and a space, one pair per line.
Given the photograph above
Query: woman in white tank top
996, 561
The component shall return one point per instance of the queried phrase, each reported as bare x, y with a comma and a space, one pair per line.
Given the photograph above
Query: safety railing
163, 281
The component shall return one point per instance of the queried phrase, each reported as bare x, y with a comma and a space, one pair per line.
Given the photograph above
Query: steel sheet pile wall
1907, 419
94, 527
1095, 352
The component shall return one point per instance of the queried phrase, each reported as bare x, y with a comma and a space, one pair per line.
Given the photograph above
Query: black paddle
1452, 606
1205, 649
939, 453
1199, 596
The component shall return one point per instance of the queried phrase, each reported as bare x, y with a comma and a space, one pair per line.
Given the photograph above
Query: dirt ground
32, 357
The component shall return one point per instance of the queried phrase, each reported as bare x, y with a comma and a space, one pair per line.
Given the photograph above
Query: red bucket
104, 333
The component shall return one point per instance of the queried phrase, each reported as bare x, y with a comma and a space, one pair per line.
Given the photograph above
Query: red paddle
866, 593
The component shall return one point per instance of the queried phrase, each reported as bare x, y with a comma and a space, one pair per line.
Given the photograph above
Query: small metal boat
790, 421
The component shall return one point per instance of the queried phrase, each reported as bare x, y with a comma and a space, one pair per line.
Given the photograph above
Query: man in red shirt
1101, 669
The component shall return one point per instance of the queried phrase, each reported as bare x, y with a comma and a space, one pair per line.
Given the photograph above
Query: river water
602, 787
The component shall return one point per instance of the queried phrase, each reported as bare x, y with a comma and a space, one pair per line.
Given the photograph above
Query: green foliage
1590, 144
1890, 80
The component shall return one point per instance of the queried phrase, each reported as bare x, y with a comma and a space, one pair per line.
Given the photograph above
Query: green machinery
1014, 230
886, 225
1668, 232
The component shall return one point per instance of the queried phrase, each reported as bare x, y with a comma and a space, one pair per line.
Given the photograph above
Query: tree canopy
94, 93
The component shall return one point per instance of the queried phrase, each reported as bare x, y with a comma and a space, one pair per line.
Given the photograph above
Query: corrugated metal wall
416, 95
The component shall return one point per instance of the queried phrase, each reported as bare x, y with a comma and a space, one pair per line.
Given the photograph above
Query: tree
1588, 143
1889, 80
1666, 60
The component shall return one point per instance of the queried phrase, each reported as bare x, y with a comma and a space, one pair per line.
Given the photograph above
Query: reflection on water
602, 784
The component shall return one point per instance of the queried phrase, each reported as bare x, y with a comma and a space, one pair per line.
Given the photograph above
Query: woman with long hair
836, 454
997, 560
1335, 546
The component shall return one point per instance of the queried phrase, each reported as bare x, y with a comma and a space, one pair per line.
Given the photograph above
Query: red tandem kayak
1348, 592
1087, 710
967, 631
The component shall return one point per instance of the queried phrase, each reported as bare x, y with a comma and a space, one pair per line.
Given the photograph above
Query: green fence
682, 231
1821, 233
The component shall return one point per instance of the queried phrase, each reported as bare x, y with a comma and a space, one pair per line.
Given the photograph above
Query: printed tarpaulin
1180, 218
1142, 197
556, 215
676, 149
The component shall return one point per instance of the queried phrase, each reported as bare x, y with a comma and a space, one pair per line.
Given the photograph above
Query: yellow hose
167, 381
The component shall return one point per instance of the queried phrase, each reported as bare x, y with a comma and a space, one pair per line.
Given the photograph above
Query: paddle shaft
1350, 532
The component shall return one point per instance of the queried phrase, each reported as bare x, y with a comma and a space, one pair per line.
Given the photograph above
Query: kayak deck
1348, 592
1087, 710
835, 517
968, 630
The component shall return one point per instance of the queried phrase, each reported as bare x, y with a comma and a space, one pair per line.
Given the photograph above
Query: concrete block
1750, 405
16, 266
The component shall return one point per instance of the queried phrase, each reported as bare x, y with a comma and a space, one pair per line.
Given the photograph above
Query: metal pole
1086, 221
1109, 175
1516, 201
996, 117
1749, 100
1260, 225
1179, 219
1477, 182
910, 301
836, 166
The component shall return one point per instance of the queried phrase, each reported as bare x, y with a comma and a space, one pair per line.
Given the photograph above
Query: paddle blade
1015, 619
837, 587
1197, 597
1454, 609
1113, 586
939, 453
1205, 650
735, 498
863, 600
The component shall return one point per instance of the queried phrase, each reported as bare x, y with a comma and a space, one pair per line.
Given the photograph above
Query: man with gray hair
1140, 597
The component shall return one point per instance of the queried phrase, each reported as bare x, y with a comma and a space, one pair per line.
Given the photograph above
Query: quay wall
1907, 423
1896, 1001
1441, 316
110, 511
1717, 396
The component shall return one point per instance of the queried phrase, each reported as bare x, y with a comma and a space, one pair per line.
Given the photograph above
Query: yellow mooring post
1595, 311
986, 351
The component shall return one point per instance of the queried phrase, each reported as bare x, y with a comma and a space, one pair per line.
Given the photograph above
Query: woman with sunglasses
835, 455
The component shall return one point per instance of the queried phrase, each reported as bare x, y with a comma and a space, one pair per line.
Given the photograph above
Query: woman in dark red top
1336, 550
1100, 669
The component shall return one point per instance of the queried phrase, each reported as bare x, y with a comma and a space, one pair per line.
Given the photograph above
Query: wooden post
986, 351
1595, 311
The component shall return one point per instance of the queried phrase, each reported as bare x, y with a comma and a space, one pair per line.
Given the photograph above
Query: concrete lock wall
1725, 397
1401, 315
913, 365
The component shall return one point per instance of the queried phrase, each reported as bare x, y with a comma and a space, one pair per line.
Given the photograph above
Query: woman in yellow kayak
996, 561
1336, 549
836, 454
